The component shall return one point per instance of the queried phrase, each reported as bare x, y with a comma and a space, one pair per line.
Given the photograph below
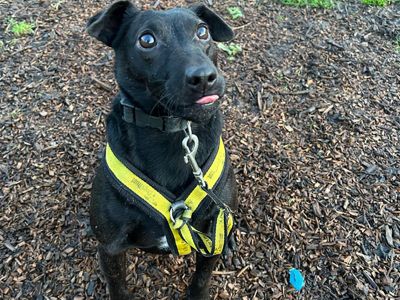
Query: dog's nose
201, 78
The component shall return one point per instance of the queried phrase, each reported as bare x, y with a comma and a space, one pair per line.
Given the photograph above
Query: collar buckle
128, 111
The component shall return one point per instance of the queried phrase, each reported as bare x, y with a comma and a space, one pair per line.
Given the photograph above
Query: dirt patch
312, 125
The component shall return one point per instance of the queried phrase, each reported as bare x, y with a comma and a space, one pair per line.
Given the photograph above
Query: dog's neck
159, 155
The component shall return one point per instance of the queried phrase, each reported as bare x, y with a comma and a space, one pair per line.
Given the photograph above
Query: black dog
165, 69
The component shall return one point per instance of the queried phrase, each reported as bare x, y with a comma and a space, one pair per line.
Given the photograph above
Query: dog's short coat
164, 63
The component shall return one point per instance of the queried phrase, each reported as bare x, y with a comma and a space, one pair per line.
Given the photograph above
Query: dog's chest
163, 244
149, 235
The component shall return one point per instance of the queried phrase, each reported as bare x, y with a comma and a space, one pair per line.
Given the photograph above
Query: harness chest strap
182, 235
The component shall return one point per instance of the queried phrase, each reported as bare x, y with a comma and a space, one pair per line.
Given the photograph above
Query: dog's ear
220, 31
104, 25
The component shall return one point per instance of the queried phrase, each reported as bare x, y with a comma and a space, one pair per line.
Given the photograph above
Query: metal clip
176, 210
190, 157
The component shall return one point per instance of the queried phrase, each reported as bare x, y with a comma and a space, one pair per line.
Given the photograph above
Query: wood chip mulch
312, 125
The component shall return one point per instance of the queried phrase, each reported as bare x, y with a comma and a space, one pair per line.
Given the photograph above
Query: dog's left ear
220, 31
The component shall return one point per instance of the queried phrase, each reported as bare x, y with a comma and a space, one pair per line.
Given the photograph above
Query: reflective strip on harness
145, 191
185, 236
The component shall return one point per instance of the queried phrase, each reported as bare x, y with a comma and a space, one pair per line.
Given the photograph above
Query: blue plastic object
296, 279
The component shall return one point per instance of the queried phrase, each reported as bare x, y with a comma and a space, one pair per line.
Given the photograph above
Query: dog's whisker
169, 105
163, 96
172, 105
157, 103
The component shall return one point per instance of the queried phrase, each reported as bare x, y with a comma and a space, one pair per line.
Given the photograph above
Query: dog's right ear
104, 25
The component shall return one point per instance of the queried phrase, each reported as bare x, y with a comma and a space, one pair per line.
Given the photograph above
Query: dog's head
165, 60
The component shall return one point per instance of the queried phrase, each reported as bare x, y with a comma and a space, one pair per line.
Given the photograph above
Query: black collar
135, 115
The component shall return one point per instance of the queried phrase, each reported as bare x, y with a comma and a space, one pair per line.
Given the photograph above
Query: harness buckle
180, 214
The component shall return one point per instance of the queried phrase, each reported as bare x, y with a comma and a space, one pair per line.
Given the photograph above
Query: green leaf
20, 28
232, 49
235, 12
224, 48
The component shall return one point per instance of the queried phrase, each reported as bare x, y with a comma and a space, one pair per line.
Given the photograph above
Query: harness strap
181, 235
209, 244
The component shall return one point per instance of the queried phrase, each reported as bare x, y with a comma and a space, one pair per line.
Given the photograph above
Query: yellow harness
176, 214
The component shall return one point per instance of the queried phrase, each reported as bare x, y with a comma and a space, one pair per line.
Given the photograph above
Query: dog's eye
202, 32
147, 40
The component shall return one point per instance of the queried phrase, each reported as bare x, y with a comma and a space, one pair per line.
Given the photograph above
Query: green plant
397, 43
15, 113
20, 28
279, 75
57, 4
280, 18
232, 49
376, 2
235, 12
310, 3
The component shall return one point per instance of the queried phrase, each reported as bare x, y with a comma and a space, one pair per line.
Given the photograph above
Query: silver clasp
190, 157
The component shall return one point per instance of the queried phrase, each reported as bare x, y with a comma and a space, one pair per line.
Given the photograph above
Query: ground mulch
312, 126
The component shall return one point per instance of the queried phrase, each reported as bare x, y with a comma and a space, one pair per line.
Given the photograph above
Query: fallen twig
102, 84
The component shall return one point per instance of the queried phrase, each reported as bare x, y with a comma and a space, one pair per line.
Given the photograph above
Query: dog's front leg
113, 268
199, 287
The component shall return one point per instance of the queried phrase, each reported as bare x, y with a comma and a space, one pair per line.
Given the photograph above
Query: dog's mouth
207, 100
203, 103
199, 111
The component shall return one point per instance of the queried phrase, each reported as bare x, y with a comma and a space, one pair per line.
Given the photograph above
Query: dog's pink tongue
207, 99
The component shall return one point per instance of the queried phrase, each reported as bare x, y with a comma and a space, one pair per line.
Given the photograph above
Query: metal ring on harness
180, 214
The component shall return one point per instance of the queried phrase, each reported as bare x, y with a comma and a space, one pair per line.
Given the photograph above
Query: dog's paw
192, 295
229, 251
123, 295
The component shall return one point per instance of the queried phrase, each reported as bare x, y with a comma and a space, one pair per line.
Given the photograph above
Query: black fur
155, 81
